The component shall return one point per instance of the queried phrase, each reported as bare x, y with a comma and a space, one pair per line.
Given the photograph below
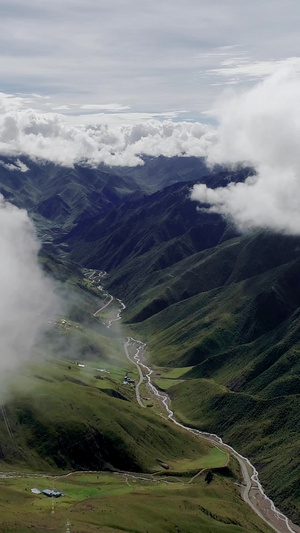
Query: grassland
174, 373
69, 409
165, 384
114, 503
217, 458
257, 427
64, 416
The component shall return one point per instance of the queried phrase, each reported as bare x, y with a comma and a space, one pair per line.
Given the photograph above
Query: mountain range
220, 307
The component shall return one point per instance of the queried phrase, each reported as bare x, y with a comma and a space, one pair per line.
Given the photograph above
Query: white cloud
52, 137
117, 120
18, 165
28, 297
260, 127
108, 107
61, 108
258, 69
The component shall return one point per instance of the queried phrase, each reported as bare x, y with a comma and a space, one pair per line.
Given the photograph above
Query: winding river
252, 491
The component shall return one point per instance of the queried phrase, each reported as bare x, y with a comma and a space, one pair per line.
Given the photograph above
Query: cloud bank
28, 298
260, 127
49, 136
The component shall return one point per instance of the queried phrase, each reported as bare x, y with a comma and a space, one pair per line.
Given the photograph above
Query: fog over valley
29, 299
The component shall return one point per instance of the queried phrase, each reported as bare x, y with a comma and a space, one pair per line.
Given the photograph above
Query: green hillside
235, 321
62, 416
150, 224
68, 410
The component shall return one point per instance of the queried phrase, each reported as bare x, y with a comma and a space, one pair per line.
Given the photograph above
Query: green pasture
175, 373
216, 458
166, 384
118, 503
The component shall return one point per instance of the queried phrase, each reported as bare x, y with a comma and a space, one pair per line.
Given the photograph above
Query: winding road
137, 391
103, 306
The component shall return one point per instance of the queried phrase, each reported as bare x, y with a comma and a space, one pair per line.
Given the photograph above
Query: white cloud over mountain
260, 127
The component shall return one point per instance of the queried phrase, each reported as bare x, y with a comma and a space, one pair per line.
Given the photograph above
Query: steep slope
59, 198
166, 219
146, 225
221, 298
61, 417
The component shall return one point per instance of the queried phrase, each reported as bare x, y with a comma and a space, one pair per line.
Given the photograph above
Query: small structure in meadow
36, 491
128, 381
52, 493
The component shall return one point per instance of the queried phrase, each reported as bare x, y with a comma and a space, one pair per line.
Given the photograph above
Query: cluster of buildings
128, 381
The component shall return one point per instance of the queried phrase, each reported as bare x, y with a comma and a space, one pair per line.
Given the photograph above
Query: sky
169, 56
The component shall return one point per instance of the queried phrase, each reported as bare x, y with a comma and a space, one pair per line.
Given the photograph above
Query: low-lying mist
90, 329
29, 299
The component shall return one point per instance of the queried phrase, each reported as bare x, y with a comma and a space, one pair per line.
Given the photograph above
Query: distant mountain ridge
58, 197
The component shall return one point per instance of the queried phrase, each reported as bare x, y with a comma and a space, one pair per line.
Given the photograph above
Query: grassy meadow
106, 502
